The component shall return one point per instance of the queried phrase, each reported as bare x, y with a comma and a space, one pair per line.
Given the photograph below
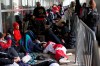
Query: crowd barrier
87, 53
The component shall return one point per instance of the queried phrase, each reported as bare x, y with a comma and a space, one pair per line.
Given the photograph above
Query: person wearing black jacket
92, 16
40, 15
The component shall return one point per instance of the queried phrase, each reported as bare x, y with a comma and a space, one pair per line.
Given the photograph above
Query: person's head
54, 5
1, 35
43, 44
92, 4
62, 24
38, 4
72, 4
84, 5
60, 5
49, 10
16, 25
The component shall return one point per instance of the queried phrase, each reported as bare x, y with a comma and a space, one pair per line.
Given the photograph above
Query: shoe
40, 58
69, 54
63, 60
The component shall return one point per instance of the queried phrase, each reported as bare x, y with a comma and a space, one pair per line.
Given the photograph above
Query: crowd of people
55, 24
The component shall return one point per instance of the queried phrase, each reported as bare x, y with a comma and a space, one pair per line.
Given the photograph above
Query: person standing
92, 16
39, 14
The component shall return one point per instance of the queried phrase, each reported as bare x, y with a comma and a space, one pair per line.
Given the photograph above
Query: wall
98, 5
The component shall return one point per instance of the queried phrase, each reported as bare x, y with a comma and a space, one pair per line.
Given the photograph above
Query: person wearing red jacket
8, 55
16, 31
57, 49
5, 43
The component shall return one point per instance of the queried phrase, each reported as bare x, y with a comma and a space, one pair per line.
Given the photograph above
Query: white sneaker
69, 54
64, 60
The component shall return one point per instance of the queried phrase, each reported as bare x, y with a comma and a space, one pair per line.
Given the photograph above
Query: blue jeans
52, 36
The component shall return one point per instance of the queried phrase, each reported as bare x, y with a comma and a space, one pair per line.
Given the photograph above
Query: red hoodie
16, 32
5, 45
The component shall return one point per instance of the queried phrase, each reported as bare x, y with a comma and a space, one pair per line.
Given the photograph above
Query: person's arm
44, 12
6, 58
34, 12
45, 50
5, 55
7, 44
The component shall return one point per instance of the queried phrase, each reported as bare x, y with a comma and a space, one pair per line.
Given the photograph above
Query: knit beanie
15, 24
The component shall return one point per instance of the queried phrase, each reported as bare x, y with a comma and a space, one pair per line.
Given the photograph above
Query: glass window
24, 3
67, 2
30, 3
34, 2
9, 17
7, 20
6, 4
16, 4
82, 1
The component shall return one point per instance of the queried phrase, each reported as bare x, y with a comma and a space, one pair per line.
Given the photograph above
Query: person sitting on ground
57, 49
16, 33
24, 42
7, 54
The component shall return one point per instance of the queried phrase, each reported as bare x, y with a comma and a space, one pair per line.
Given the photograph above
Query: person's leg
5, 61
37, 48
31, 34
54, 37
34, 47
12, 52
47, 63
94, 29
61, 56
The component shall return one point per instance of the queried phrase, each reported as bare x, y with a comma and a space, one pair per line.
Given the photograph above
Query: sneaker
41, 57
69, 54
63, 60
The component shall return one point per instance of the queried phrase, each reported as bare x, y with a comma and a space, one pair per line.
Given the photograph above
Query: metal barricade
87, 53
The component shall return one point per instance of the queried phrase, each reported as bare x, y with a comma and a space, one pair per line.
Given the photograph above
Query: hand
16, 59
8, 35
